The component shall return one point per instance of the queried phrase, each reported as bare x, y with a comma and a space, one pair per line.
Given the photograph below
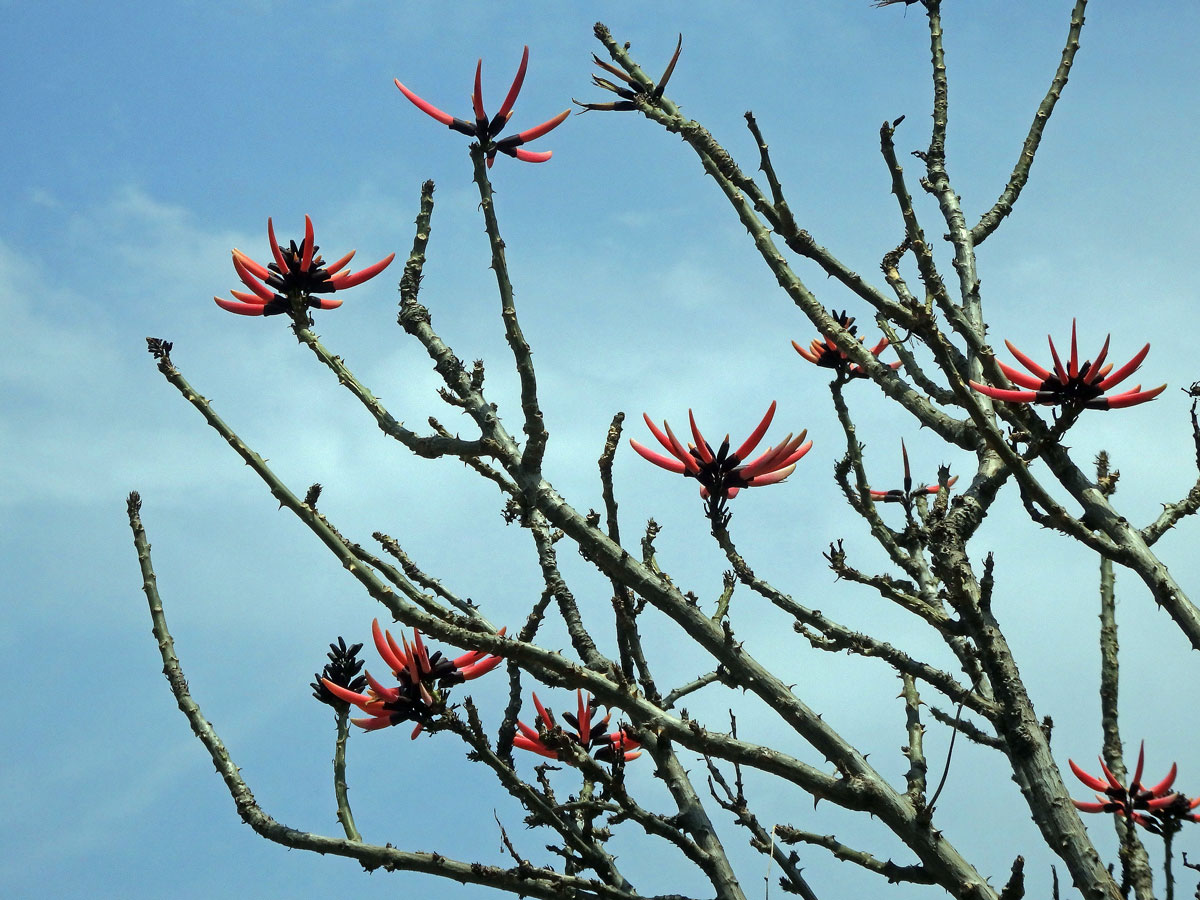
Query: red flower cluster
722, 474
589, 735
1154, 808
424, 680
296, 273
824, 352
906, 495
1075, 385
485, 130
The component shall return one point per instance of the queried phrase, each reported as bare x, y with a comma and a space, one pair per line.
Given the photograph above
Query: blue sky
146, 141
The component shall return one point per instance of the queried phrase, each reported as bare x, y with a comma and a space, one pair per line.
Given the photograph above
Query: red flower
424, 681
824, 352
722, 474
1153, 808
906, 495
1077, 386
588, 735
485, 130
296, 273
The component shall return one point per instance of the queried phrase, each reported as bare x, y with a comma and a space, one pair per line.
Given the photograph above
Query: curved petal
1125, 371
671, 465
1160, 802
534, 746
477, 94
679, 451
260, 271
511, 97
395, 662
1135, 783
249, 280
584, 717
771, 477
790, 451
306, 254
353, 279
1090, 780
756, 435
252, 299
1003, 394
701, 444
528, 732
345, 694
807, 354
275, 251
424, 106
547, 718
383, 691
530, 155
485, 665
1027, 362
658, 433
933, 488
666, 75
242, 309
337, 266
1097, 371
421, 653
1132, 398
1112, 779
1163, 786
530, 134
373, 724
1016, 376
1059, 371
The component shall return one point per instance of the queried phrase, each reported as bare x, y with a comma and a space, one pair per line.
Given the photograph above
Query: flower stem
345, 816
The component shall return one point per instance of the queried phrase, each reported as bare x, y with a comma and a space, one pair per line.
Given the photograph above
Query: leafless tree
948, 379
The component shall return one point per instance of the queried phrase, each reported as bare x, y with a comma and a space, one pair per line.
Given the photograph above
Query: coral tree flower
629, 90
296, 273
1075, 385
722, 474
824, 352
908, 493
589, 735
1154, 808
485, 130
424, 680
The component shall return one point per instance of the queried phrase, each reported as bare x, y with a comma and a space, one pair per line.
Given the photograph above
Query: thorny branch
937, 582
